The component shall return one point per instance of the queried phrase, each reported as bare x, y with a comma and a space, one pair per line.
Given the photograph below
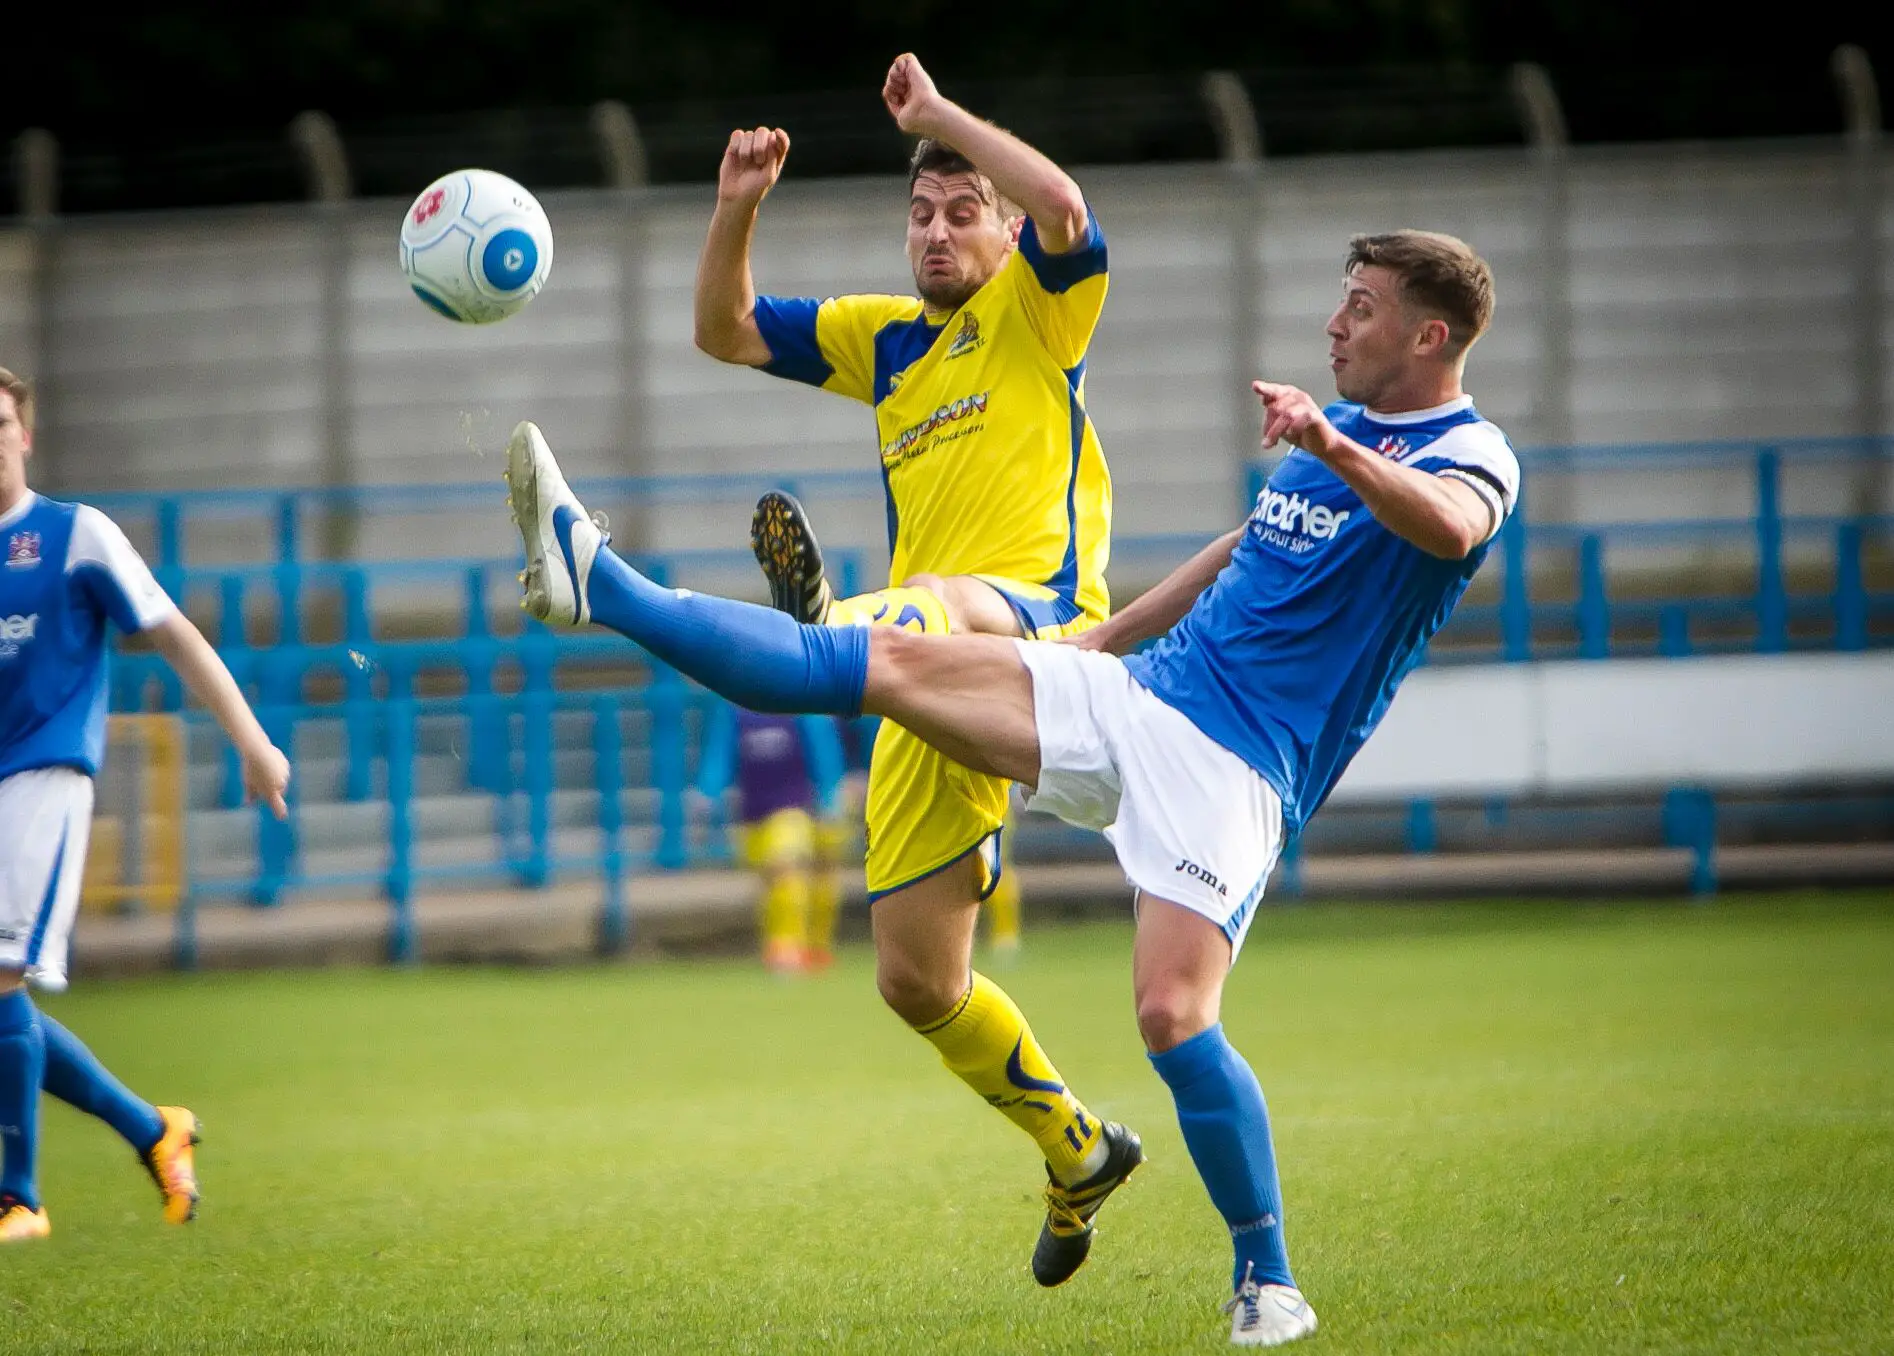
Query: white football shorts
1190, 821
45, 823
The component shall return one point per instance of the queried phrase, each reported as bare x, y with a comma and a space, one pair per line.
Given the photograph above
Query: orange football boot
172, 1164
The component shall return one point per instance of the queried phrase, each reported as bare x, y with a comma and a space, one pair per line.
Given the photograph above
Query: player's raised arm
1158, 609
265, 768
1017, 171
725, 301
1442, 515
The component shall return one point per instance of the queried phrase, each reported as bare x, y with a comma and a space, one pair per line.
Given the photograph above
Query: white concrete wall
1750, 721
1707, 293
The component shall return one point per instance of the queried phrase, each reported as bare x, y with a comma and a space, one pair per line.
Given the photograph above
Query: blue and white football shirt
66, 569
1290, 658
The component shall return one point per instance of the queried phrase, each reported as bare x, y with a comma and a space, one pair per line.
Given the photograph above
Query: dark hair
1439, 273
22, 392
937, 157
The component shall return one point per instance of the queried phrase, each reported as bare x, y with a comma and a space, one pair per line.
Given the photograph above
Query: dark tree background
182, 80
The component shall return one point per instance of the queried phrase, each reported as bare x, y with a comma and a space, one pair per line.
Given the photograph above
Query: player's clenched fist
1291, 414
910, 95
752, 162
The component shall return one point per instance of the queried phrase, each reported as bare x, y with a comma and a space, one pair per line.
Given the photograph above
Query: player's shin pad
984, 1039
911, 609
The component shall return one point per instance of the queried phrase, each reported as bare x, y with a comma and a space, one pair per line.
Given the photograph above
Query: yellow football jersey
991, 464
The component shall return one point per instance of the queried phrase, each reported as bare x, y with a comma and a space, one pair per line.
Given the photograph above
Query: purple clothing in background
772, 767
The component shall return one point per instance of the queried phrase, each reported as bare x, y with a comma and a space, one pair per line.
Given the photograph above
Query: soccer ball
476, 247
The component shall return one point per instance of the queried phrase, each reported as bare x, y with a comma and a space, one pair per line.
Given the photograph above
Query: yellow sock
1003, 909
825, 901
985, 1040
785, 915
910, 608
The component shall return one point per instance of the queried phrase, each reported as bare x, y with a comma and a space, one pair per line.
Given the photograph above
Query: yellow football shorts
925, 811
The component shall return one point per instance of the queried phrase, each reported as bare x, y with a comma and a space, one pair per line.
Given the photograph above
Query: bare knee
1172, 1010
897, 666
917, 992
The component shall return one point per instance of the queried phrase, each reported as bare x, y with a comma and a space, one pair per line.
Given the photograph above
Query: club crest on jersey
1393, 445
967, 338
23, 551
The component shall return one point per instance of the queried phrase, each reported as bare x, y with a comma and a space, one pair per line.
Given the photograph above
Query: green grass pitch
1509, 1128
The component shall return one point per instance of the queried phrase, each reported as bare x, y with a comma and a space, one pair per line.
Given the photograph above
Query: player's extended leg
785, 546
1179, 962
163, 1137
969, 696
22, 1065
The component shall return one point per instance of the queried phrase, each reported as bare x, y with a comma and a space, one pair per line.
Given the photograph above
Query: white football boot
561, 539
1267, 1315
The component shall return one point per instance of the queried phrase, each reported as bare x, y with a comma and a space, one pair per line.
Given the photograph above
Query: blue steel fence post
536, 704
1515, 604
614, 929
1423, 828
1673, 631
289, 574
1594, 609
666, 699
234, 643
400, 744
1851, 594
1690, 822
1772, 608
358, 686
487, 742
170, 576
170, 535
851, 574
275, 839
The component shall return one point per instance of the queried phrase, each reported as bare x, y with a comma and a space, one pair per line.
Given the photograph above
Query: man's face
16, 445
957, 238
1374, 340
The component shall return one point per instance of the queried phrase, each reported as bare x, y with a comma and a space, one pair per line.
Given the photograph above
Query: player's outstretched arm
265, 769
1443, 517
1158, 609
725, 300
1048, 193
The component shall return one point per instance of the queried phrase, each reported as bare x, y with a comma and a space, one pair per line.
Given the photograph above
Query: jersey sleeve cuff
788, 326
1062, 272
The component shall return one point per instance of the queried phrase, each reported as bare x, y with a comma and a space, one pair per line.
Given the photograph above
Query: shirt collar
1465, 402
19, 510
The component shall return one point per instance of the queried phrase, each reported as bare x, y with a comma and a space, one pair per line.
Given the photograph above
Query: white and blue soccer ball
476, 247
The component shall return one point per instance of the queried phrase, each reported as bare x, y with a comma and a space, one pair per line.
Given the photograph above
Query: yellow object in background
136, 857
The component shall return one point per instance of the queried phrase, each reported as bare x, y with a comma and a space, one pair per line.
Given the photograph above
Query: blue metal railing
504, 680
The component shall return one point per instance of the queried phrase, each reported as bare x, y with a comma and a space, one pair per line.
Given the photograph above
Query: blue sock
1226, 1126
75, 1076
22, 1060
755, 656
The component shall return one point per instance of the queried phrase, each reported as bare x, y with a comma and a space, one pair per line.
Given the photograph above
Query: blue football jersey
1290, 658
67, 570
